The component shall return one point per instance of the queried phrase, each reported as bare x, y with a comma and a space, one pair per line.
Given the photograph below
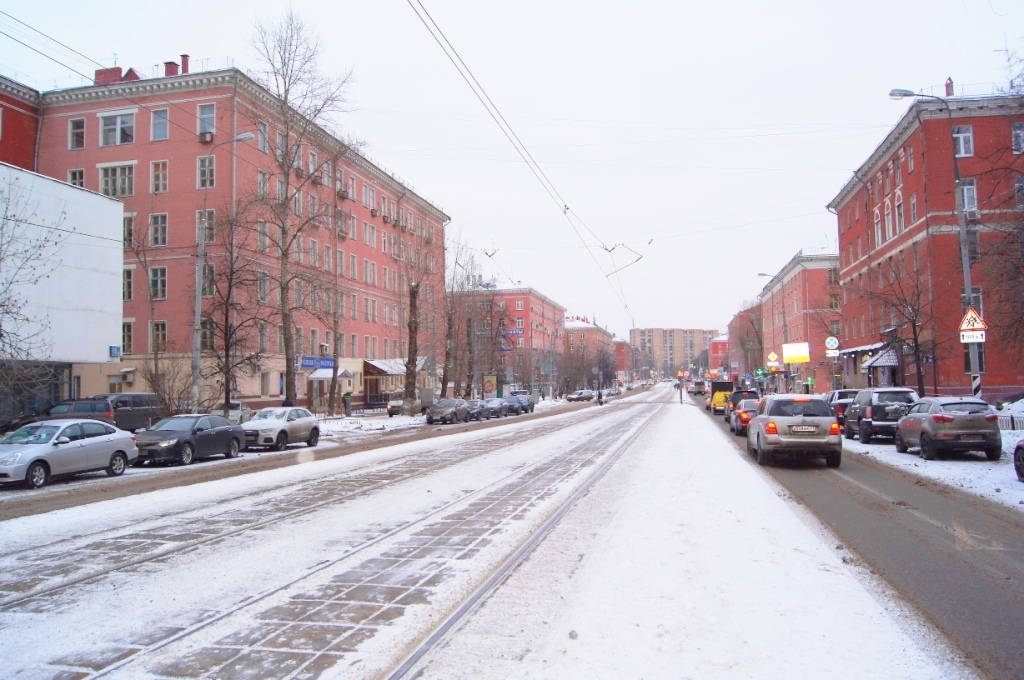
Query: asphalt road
958, 559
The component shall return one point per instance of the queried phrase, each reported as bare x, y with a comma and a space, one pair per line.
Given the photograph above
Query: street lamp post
965, 256
197, 325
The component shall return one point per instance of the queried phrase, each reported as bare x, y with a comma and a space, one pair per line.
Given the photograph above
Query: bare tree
30, 245
306, 100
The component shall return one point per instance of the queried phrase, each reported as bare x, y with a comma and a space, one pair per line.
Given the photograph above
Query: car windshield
31, 434
846, 394
446, 403
966, 407
271, 414
494, 400
748, 405
896, 398
175, 424
811, 407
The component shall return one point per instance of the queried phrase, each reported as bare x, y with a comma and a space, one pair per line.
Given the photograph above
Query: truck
720, 391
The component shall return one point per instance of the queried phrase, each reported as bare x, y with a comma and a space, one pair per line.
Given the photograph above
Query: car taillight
942, 418
744, 415
992, 418
867, 413
833, 428
840, 410
771, 428
109, 414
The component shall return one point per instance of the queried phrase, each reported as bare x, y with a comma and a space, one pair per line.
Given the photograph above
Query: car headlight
11, 459
167, 442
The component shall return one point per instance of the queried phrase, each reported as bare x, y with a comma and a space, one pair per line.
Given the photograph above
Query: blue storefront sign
314, 363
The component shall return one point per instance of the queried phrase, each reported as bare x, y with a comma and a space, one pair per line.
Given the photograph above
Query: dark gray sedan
182, 439
448, 411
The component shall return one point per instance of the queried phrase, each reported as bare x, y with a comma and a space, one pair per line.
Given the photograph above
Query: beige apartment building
668, 350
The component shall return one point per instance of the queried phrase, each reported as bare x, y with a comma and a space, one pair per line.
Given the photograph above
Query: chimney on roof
949, 87
106, 76
170, 68
184, 64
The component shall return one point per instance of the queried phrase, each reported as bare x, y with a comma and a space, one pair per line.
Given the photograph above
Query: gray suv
876, 410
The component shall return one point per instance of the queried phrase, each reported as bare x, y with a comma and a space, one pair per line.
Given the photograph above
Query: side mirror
62, 440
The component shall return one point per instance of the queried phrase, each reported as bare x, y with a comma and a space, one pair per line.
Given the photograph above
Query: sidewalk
686, 562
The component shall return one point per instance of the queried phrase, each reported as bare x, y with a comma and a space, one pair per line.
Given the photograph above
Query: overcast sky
694, 143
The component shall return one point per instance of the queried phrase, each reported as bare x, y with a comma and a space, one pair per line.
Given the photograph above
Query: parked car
794, 425
35, 453
278, 426
133, 410
236, 412
941, 424
526, 401
514, 405
735, 397
183, 438
840, 400
581, 395
397, 400
496, 408
448, 411
95, 409
741, 413
477, 409
1018, 459
876, 410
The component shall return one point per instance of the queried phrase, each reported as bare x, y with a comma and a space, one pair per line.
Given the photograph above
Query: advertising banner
796, 353
490, 386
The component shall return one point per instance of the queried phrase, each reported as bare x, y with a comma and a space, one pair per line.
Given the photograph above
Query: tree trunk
410, 362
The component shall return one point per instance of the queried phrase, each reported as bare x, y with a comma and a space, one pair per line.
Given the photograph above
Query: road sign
972, 336
772, 357
686, 374
972, 322
831, 342
832, 353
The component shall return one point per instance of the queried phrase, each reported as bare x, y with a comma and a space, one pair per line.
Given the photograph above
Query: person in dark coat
287, 402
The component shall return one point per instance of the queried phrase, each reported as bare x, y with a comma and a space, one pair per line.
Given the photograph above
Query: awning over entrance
862, 348
882, 360
390, 366
327, 373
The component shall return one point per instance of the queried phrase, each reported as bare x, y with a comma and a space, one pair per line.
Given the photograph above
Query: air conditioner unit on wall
342, 194
205, 137
127, 377
373, 212
387, 218
972, 215
324, 349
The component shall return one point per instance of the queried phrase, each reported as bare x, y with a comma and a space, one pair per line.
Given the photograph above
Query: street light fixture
965, 257
197, 329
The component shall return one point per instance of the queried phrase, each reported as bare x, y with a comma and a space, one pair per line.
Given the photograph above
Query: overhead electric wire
467, 75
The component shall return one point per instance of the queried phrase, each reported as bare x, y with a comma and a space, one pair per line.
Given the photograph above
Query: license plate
803, 428
972, 437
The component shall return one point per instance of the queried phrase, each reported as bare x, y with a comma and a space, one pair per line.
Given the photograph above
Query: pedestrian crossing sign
972, 321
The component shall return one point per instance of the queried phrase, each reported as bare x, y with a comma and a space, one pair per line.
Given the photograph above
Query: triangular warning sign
972, 321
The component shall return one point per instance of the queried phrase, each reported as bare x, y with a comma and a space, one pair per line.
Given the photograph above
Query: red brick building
799, 310
208, 158
589, 355
19, 124
625, 361
746, 349
901, 272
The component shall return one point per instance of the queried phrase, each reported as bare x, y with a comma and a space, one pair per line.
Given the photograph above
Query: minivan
133, 410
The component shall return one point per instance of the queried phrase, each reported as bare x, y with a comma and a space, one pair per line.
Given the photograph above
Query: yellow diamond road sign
972, 322
773, 357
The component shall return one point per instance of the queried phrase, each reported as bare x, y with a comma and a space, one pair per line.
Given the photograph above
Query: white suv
278, 426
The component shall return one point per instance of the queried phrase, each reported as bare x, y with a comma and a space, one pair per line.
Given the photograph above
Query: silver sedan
794, 425
36, 452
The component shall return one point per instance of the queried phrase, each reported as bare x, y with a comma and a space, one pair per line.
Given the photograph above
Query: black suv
96, 409
875, 411
736, 397
133, 410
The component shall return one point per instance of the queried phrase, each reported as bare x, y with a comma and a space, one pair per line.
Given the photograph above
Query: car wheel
847, 430
281, 443
731, 428
37, 475
901, 446
233, 448
430, 421
834, 460
314, 437
927, 449
118, 463
994, 453
762, 455
1018, 462
864, 431
390, 414
187, 454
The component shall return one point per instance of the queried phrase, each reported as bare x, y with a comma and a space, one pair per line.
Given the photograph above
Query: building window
963, 140
833, 301
262, 133
354, 307
158, 230
913, 208
158, 173
118, 180
1018, 191
900, 222
206, 174
833, 275
158, 283
207, 116
264, 335
297, 246
76, 178
263, 287
968, 194
981, 358
519, 322
834, 327
160, 125
206, 329
297, 204
327, 258
205, 224
1018, 138
76, 133
262, 237
128, 230
126, 285
519, 305
262, 185
117, 129
888, 222
209, 274
910, 159
878, 229
126, 338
